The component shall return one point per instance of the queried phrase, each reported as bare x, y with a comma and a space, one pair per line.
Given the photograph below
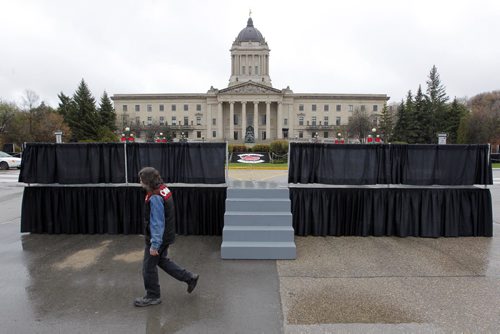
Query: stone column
220, 128
231, 121
243, 120
256, 119
268, 120
291, 121
280, 121
209, 122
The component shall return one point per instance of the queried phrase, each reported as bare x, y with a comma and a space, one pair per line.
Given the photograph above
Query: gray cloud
357, 46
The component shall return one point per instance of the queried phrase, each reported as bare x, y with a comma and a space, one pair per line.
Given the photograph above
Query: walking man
159, 233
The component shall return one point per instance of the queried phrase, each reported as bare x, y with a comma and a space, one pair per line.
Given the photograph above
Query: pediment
250, 88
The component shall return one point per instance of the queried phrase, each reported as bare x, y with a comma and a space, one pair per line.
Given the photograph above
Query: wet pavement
86, 283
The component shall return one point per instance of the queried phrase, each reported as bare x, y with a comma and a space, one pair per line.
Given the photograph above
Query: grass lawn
237, 165
496, 165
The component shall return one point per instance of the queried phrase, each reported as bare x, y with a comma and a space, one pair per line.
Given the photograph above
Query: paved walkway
86, 283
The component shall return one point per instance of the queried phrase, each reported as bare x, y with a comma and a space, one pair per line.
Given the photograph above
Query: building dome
250, 34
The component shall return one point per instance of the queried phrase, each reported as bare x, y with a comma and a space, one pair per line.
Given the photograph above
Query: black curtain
117, 210
86, 163
179, 162
419, 212
73, 163
389, 164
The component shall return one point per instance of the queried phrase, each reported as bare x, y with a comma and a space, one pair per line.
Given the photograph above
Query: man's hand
153, 252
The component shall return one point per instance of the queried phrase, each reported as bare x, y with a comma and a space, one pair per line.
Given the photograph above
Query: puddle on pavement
130, 257
84, 258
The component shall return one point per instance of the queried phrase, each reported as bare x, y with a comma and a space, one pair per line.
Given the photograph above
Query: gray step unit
252, 218
261, 233
258, 250
258, 224
258, 204
257, 193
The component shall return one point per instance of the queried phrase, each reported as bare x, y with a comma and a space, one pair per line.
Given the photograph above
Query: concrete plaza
86, 283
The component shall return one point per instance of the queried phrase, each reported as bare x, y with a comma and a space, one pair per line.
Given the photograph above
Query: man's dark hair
151, 178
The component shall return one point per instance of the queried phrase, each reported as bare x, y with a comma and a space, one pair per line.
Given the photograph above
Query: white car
8, 161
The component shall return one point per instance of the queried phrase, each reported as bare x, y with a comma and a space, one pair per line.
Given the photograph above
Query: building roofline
118, 97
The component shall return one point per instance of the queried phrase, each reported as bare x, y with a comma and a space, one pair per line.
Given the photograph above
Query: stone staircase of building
258, 224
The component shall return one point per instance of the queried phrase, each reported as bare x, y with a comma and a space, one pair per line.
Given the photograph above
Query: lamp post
58, 134
127, 136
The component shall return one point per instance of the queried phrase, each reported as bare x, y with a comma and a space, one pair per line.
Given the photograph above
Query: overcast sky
154, 46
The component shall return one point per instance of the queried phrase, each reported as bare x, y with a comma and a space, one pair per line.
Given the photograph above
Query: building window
186, 134
363, 108
162, 120
162, 107
301, 120
214, 134
214, 121
125, 108
198, 107
285, 121
339, 107
235, 135
198, 120
242, 69
186, 121
301, 134
256, 70
314, 120
263, 120
351, 107
326, 107
137, 120
137, 107
150, 120
174, 120
263, 135
249, 70
313, 107
198, 134
325, 120
338, 120
325, 134
186, 107
235, 119
301, 107
174, 107
149, 108
375, 108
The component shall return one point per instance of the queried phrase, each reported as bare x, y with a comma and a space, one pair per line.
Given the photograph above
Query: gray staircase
258, 224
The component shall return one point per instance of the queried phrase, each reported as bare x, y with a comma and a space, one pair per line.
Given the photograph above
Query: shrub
279, 147
237, 148
260, 148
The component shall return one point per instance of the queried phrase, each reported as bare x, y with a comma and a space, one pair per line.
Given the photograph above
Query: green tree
386, 126
456, 112
107, 113
401, 124
7, 113
84, 119
437, 99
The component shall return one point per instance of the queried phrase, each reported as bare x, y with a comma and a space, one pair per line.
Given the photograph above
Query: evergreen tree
456, 112
411, 126
66, 105
84, 121
107, 113
423, 118
401, 124
436, 93
386, 126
